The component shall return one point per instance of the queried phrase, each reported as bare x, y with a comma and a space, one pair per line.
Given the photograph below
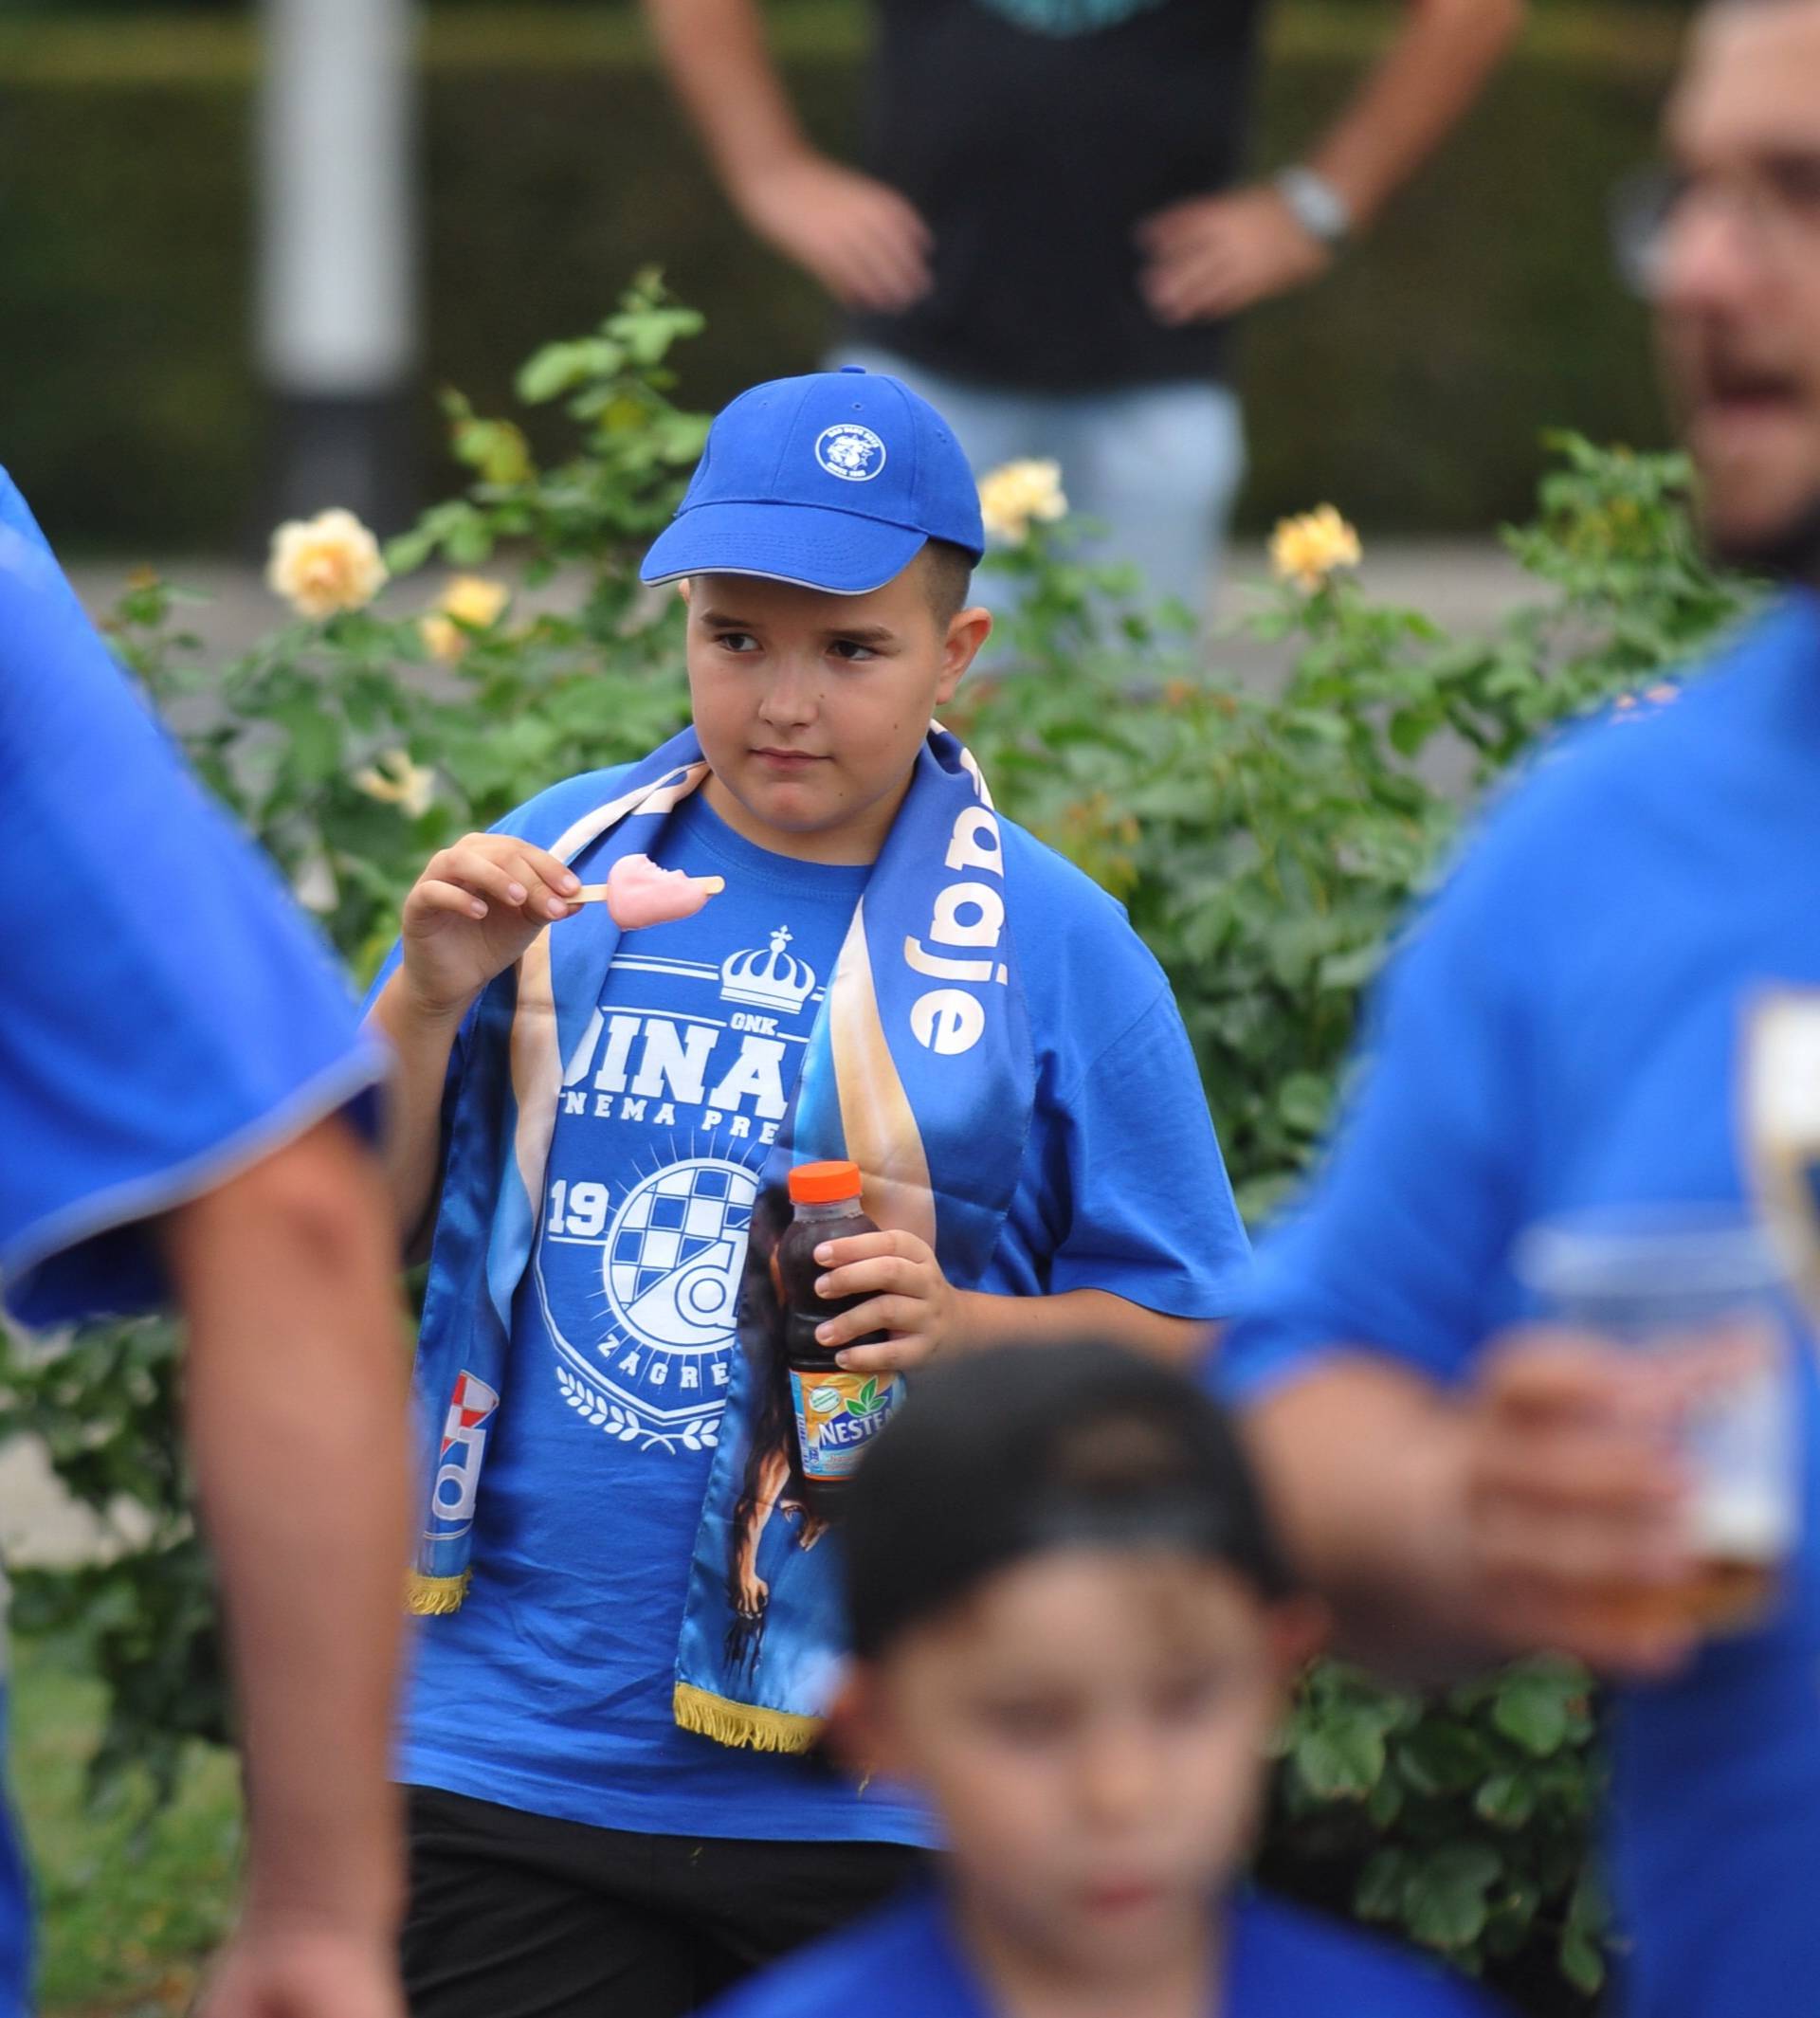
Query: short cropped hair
948, 577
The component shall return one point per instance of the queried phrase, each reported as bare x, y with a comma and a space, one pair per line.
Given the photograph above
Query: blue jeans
1158, 466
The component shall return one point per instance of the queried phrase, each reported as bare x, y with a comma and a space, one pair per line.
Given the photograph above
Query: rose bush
1266, 844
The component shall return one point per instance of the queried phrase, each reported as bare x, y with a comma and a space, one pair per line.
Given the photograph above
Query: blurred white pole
337, 265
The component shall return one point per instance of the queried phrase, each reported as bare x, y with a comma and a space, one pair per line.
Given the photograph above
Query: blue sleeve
1401, 1243
1149, 1209
166, 1014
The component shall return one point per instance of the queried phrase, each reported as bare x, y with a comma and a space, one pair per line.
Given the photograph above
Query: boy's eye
1185, 1697
852, 651
1026, 1723
735, 641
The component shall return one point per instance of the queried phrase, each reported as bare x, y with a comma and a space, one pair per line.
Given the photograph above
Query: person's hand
865, 244
277, 1967
755, 1593
1211, 256
1575, 1504
473, 911
907, 1295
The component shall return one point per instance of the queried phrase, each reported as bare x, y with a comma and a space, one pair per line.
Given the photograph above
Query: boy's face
811, 707
1091, 1726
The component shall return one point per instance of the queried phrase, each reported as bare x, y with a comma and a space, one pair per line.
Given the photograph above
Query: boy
1080, 1667
893, 977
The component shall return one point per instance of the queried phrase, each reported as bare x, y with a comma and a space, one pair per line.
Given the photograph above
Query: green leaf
1582, 1962
1444, 1900
1535, 1707
1506, 1800
1341, 1756
1302, 1100
314, 738
1378, 1895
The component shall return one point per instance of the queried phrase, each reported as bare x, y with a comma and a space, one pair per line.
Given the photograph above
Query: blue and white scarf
920, 1068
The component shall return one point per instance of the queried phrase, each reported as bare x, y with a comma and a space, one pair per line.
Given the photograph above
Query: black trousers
518, 1915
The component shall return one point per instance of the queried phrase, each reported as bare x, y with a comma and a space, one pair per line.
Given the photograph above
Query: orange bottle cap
823, 1183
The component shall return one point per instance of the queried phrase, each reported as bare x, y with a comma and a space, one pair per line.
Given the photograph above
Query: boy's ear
858, 1726
1299, 1629
684, 586
967, 631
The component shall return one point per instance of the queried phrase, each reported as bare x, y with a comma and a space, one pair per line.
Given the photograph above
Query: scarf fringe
742, 1723
435, 1597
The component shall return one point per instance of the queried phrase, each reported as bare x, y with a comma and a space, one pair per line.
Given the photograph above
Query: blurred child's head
825, 547
1072, 1631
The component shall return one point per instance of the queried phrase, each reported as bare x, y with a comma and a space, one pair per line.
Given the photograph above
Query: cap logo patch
849, 451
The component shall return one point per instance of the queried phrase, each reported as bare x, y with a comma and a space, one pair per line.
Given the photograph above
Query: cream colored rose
394, 780
325, 564
469, 599
1013, 495
1307, 549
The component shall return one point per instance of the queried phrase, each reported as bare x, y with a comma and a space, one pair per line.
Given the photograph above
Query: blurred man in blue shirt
1564, 1032
180, 1064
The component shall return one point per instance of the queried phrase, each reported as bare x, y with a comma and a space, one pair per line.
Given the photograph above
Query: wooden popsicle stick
596, 893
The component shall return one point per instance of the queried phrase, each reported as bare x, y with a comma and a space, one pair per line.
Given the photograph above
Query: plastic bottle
837, 1413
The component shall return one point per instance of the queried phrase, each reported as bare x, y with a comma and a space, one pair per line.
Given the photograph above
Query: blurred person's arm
181, 1071
296, 1387
1212, 256
1450, 1530
862, 241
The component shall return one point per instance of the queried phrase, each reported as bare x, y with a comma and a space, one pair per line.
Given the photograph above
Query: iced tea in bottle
837, 1413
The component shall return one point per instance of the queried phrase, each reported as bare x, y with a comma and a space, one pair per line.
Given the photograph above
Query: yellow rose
394, 780
469, 599
1308, 550
325, 564
1013, 495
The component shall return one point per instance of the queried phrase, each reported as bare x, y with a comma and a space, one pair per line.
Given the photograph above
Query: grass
127, 1908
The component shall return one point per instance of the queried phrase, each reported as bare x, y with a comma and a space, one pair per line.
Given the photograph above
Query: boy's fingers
878, 1314
492, 879
900, 1355
445, 897
561, 879
883, 1272
864, 1247
541, 877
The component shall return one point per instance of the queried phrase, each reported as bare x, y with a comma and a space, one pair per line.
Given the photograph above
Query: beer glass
1700, 1288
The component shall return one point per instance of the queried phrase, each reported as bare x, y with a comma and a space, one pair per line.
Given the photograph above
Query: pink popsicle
637, 892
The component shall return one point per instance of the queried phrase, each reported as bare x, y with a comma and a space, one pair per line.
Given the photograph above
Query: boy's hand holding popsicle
480, 902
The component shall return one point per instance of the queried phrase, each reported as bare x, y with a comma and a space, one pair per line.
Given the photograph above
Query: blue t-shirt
551, 1690
166, 1018
1562, 1031
906, 1963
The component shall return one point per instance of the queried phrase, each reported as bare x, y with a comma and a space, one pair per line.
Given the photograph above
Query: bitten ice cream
637, 892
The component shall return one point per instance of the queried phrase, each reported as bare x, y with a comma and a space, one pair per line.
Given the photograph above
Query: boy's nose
1117, 1779
791, 699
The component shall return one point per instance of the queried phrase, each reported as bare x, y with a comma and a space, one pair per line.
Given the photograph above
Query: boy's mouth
787, 763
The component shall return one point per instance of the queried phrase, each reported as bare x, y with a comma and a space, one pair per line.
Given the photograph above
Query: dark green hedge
1410, 388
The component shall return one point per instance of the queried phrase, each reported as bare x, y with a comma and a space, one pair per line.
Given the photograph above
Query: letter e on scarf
947, 1021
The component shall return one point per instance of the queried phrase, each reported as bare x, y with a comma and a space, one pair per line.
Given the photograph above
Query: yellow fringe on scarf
743, 1723
432, 1597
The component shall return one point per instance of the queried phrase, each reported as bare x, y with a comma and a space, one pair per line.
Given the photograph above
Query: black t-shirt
1034, 151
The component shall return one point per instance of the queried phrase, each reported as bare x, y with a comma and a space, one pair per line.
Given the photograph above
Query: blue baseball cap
833, 481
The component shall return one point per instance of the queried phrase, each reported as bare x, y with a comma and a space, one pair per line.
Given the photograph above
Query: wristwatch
1317, 206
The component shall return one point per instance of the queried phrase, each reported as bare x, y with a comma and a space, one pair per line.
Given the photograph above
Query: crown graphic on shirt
768, 977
